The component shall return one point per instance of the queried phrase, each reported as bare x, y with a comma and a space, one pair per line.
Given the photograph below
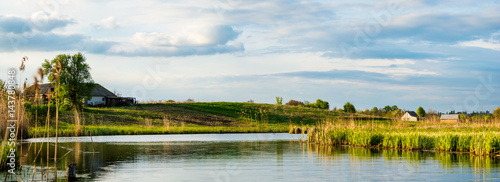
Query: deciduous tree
421, 112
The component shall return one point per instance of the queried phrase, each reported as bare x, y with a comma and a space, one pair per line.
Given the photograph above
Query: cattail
40, 73
24, 84
21, 68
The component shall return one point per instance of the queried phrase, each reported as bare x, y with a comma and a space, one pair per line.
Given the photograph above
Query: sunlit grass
478, 139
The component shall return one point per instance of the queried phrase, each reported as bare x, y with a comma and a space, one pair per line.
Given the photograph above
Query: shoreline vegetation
474, 138
190, 118
329, 127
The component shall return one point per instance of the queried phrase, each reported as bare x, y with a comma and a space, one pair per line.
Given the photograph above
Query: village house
411, 116
450, 118
100, 96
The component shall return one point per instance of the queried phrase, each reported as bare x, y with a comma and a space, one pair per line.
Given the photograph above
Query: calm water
253, 157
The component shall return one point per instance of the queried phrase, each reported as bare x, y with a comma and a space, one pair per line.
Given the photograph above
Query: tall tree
75, 79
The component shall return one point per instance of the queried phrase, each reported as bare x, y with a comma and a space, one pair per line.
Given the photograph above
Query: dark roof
102, 92
45, 88
98, 90
412, 113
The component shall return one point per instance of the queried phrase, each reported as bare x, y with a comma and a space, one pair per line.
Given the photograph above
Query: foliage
348, 107
294, 103
75, 79
2, 84
478, 139
421, 112
320, 104
38, 112
496, 114
4, 153
279, 100
388, 109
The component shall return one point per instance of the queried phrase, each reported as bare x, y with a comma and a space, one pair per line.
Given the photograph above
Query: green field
200, 117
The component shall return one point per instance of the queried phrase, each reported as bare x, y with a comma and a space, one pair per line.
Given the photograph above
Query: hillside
201, 117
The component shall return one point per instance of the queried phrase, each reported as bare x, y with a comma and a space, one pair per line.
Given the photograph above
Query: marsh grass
68, 130
478, 138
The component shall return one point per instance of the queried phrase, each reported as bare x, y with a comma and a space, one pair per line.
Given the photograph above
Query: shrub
279, 100
322, 104
348, 107
319, 104
294, 103
38, 112
496, 114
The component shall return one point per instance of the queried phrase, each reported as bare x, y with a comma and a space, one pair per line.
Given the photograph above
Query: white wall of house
96, 100
408, 117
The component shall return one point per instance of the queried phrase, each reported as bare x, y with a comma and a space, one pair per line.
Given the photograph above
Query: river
248, 157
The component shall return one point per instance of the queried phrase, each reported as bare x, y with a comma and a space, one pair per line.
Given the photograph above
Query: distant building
411, 116
100, 96
450, 118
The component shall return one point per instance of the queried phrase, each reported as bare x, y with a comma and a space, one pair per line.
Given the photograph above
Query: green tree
374, 111
387, 109
421, 112
496, 113
348, 107
322, 104
74, 79
394, 108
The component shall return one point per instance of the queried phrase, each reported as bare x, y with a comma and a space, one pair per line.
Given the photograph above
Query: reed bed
141, 130
478, 139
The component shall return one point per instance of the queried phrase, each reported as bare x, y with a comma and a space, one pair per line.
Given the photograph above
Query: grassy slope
201, 117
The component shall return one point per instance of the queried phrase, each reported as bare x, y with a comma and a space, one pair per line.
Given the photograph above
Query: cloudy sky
438, 54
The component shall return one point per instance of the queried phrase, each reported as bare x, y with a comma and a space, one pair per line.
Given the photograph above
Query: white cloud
107, 23
487, 44
40, 21
198, 36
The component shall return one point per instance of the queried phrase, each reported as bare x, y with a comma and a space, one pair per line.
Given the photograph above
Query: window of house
103, 99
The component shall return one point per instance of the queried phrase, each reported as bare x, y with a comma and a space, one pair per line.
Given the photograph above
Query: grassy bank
478, 139
142, 130
189, 118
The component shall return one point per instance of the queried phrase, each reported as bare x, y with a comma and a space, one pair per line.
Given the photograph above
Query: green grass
478, 139
200, 117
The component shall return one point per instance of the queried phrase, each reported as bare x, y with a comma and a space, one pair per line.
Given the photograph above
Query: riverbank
190, 118
477, 139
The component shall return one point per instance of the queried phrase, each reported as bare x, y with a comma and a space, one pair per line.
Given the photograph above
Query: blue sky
441, 55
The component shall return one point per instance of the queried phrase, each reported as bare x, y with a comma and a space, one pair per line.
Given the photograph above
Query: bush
348, 107
279, 100
319, 104
38, 112
496, 114
294, 103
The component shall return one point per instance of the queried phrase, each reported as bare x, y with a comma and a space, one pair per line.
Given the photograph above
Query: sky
439, 54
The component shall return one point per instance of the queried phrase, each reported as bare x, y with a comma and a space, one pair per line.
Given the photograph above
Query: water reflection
258, 160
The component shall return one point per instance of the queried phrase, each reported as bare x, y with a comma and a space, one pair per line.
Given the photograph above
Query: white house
410, 116
100, 97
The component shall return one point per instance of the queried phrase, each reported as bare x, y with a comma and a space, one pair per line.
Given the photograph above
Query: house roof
102, 92
412, 113
98, 91
45, 88
450, 116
